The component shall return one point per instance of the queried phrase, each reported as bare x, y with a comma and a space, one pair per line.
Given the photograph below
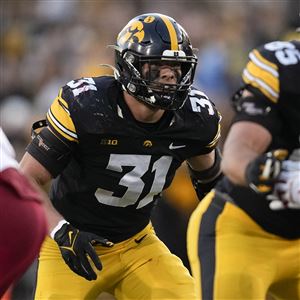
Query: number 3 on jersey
133, 179
82, 85
199, 100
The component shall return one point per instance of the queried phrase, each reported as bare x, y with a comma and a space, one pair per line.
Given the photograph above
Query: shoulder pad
273, 67
75, 105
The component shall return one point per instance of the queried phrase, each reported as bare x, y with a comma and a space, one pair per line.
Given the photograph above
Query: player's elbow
31, 168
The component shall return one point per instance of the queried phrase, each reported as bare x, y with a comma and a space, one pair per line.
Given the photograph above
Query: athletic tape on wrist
57, 227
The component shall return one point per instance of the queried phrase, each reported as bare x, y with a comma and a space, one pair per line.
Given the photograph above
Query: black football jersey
119, 166
273, 75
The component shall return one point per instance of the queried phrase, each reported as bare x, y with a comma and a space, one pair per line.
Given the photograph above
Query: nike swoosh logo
173, 147
140, 239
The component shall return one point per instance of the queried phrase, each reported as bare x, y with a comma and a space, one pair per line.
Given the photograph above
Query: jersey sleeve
258, 110
53, 146
261, 77
59, 118
204, 115
261, 74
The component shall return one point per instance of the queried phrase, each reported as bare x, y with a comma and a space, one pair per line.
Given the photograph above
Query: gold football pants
234, 258
138, 268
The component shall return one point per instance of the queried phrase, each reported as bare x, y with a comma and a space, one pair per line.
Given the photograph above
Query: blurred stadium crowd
46, 43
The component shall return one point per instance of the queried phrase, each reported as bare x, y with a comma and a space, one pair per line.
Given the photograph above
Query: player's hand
76, 246
262, 172
287, 188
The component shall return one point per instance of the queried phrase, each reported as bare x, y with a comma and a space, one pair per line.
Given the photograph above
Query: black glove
75, 245
262, 172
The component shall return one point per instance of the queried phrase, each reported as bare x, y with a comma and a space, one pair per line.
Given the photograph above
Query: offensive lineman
244, 237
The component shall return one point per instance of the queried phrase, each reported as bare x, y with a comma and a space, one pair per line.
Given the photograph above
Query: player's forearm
245, 141
52, 215
39, 176
235, 162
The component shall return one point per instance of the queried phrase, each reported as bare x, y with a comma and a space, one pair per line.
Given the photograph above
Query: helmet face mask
153, 71
145, 46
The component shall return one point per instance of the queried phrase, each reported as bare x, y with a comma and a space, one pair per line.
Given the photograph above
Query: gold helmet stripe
172, 32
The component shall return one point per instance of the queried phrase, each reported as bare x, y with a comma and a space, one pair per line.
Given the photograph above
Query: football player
244, 237
112, 144
23, 225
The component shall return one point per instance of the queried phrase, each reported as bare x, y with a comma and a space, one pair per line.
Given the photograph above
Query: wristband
57, 227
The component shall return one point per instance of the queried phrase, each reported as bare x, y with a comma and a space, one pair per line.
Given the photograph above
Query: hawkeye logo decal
134, 33
147, 144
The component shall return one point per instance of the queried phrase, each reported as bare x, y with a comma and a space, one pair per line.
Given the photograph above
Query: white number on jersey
198, 100
133, 179
285, 52
81, 85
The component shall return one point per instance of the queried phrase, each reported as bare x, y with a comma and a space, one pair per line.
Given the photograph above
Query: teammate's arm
245, 161
245, 142
205, 171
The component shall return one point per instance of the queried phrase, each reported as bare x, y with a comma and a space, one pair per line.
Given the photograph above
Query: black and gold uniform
241, 240
109, 169
118, 167
109, 176
273, 75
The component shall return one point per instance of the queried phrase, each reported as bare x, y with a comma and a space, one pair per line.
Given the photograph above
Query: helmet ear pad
146, 39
